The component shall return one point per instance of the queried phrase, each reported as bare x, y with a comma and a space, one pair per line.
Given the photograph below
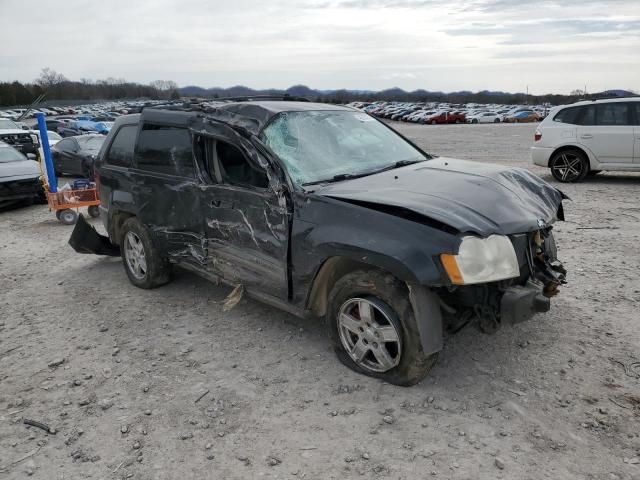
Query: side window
165, 149
637, 108
235, 169
121, 150
67, 145
614, 113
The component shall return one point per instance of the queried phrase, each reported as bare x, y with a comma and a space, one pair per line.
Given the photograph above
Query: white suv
588, 137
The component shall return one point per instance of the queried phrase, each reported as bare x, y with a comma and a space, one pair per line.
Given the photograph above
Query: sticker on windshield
363, 117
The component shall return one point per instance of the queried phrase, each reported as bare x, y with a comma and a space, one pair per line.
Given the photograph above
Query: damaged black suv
325, 211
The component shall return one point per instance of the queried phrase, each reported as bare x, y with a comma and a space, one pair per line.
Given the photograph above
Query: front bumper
521, 302
20, 189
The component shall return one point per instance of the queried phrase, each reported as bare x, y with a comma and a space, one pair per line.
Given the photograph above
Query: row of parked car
443, 113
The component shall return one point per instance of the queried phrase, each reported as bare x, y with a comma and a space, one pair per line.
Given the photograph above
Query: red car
445, 117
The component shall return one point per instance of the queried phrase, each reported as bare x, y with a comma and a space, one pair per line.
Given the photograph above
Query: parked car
523, 117
485, 117
589, 137
76, 155
13, 134
80, 127
19, 177
324, 211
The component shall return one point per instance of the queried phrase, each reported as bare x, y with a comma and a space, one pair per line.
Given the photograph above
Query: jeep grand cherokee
325, 211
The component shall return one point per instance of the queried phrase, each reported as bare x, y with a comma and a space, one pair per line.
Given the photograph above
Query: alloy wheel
567, 167
135, 256
369, 335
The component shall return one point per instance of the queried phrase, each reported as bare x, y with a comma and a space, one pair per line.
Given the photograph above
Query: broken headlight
482, 260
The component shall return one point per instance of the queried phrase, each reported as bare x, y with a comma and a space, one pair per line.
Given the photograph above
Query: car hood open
467, 196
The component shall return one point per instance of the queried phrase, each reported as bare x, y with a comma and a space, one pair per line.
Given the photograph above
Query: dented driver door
246, 221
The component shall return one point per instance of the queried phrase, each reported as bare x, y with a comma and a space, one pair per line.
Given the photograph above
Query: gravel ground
162, 384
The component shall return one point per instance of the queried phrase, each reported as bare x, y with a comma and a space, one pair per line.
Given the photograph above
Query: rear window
165, 149
121, 150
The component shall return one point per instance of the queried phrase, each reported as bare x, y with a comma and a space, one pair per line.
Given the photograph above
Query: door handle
586, 136
221, 204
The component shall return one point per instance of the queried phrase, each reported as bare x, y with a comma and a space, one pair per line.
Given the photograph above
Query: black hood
467, 196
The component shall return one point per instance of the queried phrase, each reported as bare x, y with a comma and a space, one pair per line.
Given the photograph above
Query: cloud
363, 44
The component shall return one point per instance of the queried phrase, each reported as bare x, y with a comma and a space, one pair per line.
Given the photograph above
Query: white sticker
363, 117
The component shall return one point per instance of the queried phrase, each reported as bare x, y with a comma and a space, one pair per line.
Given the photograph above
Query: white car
588, 137
485, 117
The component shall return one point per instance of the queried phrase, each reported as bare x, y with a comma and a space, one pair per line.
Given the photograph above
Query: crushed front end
493, 304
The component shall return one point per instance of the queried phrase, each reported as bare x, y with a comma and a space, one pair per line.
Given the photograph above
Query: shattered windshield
320, 146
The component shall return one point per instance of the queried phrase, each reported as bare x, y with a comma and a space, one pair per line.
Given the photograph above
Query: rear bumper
540, 156
521, 302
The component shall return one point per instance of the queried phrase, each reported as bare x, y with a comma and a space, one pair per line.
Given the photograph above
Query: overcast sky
550, 45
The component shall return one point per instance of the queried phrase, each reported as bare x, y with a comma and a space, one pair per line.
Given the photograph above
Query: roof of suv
248, 115
603, 100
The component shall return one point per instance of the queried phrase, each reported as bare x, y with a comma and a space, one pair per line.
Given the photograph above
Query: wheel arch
115, 225
424, 302
331, 270
593, 163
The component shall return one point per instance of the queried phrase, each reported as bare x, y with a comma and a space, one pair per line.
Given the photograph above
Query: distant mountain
391, 94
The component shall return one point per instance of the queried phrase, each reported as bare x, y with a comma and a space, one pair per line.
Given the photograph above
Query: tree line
56, 86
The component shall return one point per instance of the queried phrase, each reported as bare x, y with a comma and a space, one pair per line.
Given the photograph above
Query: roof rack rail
613, 97
247, 98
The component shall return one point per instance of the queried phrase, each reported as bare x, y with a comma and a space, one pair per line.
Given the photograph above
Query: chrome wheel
567, 167
369, 335
134, 255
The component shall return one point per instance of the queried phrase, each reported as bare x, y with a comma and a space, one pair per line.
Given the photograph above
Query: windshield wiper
348, 176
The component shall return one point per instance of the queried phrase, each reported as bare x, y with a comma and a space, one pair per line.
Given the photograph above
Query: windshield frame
303, 187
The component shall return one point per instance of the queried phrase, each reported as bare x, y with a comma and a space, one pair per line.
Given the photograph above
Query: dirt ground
163, 384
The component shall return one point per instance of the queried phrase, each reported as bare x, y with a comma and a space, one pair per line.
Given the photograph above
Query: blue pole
44, 139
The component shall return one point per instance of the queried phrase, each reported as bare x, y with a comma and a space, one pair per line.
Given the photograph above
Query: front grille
19, 187
16, 138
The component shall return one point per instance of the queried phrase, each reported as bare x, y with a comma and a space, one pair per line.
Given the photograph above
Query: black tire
392, 296
497, 120
67, 216
158, 269
475, 120
569, 166
93, 211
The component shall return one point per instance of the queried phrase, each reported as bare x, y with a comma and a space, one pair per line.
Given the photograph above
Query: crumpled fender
85, 239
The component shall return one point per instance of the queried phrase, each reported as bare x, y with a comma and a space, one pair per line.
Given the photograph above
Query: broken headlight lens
482, 260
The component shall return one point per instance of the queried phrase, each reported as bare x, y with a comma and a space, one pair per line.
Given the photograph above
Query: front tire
141, 259
373, 328
569, 166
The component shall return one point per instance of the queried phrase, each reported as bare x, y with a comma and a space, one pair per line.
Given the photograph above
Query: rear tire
141, 259
399, 359
569, 166
475, 120
497, 120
